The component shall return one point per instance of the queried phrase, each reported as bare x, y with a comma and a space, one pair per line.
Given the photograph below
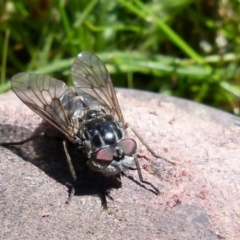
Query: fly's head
114, 159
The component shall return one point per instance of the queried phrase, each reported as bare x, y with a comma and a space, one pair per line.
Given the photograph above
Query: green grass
183, 48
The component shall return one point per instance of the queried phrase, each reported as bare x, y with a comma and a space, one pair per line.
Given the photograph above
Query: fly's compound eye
104, 154
129, 146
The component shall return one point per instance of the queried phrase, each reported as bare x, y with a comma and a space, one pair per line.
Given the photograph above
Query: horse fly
88, 115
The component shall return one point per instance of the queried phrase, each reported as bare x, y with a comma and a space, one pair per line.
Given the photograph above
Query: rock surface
199, 197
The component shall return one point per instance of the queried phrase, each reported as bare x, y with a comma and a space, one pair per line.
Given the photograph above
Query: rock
199, 196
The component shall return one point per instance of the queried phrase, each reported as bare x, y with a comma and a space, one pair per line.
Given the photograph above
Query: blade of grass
44, 54
64, 18
130, 80
87, 10
230, 88
133, 28
144, 12
4, 56
5, 87
66, 26
129, 62
55, 66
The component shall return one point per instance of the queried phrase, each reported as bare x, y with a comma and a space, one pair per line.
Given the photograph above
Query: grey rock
199, 196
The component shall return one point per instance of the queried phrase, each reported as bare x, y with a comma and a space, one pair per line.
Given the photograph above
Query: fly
88, 115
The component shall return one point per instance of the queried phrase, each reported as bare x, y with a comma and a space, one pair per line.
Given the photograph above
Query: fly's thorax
103, 132
98, 129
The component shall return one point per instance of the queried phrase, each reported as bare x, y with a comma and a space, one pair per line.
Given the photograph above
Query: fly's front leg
141, 177
72, 189
148, 147
138, 168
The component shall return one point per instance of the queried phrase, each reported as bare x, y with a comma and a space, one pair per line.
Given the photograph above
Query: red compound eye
128, 146
104, 154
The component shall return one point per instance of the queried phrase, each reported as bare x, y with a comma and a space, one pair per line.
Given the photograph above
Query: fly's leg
72, 189
141, 177
138, 168
102, 196
149, 148
42, 134
69, 161
155, 190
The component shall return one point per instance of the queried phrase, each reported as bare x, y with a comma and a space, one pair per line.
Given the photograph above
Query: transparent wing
49, 98
91, 77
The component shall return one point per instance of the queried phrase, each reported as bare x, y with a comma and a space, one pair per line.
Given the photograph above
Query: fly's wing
92, 81
50, 98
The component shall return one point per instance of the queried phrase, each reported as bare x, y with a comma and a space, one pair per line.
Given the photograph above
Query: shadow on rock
47, 153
